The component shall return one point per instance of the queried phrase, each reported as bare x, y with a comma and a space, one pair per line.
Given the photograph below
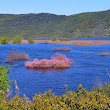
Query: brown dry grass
75, 42
90, 42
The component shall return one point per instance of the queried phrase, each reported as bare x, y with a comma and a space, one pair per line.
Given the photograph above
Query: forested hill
88, 24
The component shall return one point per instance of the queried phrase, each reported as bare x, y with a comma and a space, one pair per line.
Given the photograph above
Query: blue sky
60, 7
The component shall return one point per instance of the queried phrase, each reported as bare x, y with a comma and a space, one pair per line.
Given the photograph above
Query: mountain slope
88, 24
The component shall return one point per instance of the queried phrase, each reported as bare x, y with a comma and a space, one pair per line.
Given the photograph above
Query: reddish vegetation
17, 56
104, 54
62, 49
58, 61
90, 42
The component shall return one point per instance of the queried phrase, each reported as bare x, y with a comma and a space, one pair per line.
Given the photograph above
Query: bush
77, 36
62, 49
4, 81
105, 89
104, 53
16, 40
13, 56
58, 61
4, 40
54, 38
30, 40
80, 100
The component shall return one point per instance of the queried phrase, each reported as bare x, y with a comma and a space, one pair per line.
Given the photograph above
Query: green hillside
90, 24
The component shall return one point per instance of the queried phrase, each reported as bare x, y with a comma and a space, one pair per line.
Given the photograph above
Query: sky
60, 7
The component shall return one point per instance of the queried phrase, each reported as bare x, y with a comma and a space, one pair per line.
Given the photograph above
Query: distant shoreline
74, 42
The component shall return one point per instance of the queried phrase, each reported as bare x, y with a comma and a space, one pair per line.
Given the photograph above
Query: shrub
80, 100
54, 38
77, 36
30, 40
62, 49
17, 56
16, 40
4, 40
58, 61
105, 89
104, 53
4, 81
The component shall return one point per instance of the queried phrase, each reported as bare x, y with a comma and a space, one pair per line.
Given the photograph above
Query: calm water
87, 67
